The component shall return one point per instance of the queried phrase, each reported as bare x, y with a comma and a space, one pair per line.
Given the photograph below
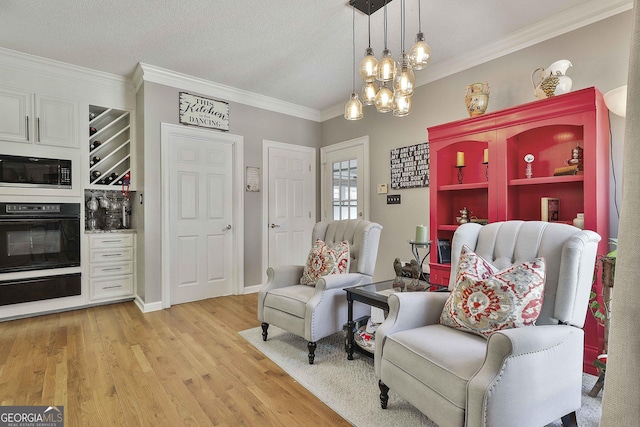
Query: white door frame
366, 195
266, 144
237, 270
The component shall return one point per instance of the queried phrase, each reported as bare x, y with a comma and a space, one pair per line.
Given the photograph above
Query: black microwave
23, 171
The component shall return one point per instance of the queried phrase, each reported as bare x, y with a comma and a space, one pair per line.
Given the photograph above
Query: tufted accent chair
317, 312
527, 376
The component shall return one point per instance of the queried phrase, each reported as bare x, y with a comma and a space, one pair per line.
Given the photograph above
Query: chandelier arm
402, 10
353, 40
385, 24
369, 21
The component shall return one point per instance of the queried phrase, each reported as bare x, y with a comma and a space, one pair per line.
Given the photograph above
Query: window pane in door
345, 189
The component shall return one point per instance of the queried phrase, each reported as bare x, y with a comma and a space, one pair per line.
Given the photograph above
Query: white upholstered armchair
315, 312
526, 376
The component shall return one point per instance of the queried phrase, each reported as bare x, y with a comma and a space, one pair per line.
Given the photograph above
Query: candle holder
486, 172
460, 174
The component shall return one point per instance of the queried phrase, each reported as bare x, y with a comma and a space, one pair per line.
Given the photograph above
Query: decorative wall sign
203, 112
410, 166
252, 179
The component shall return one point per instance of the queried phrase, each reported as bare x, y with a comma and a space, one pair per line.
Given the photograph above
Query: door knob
275, 226
228, 227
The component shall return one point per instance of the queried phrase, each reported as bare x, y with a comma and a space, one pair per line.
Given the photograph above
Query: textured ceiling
299, 51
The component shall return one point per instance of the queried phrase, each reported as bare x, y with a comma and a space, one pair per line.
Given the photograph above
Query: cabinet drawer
111, 287
111, 269
110, 241
111, 255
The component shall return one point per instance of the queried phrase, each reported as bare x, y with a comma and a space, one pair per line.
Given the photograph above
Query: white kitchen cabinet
111, 266
31, 118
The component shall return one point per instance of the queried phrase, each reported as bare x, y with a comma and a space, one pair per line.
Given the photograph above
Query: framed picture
252, 179
203, 112
410, 166
444, 251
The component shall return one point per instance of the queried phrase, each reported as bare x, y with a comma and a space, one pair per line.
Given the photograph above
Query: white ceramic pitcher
552, 81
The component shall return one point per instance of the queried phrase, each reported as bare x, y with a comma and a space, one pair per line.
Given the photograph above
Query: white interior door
291, 201
201, 227
345, 180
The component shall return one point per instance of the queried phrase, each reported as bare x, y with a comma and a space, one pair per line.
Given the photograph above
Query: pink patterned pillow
510, 298
324, 259
473, 265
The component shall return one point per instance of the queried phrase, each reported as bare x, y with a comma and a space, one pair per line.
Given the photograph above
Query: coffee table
373, 294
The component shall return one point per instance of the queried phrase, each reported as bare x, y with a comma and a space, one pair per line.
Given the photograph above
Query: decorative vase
477, 98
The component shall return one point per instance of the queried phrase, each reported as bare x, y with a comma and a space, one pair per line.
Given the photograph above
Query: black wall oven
39, 236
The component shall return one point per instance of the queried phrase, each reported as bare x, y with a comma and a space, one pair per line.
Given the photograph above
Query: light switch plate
383, 189
393, 199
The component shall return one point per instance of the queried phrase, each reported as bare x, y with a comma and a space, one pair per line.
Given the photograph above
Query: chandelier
387, 84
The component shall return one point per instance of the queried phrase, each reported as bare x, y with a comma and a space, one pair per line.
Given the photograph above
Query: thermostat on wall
383, 189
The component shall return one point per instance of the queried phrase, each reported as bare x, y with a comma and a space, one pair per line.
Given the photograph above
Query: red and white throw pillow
325, 259
484, 301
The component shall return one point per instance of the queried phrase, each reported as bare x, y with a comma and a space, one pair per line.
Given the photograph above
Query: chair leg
265, 326
598, 385
384, 394
570, 420
312, 352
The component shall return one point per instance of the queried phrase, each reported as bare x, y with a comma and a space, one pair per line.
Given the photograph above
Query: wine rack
109, 147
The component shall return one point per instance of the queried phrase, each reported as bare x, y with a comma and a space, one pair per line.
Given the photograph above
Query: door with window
345, 180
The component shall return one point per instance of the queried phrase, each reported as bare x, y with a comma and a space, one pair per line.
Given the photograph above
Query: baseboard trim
252, 289
147, 308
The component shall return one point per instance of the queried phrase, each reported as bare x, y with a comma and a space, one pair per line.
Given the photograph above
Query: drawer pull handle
112, 269
112, 241
112, 287
111, 255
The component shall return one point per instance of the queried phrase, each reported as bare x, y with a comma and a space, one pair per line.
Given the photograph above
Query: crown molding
74, 74
150, 73
585, 14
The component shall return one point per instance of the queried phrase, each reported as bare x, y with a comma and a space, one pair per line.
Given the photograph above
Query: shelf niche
110, 142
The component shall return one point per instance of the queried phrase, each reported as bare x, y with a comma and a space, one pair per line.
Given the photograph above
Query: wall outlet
383, 189
393, 199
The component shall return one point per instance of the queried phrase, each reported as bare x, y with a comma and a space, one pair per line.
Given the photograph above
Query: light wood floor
185, 366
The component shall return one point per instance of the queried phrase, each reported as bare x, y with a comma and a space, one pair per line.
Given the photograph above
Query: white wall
600, 56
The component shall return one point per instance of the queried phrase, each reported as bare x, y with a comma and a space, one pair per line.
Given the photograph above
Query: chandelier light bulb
384, 99
369, 92
368, 66
420, 53
401, 105
386, 67
405, 81
353, 109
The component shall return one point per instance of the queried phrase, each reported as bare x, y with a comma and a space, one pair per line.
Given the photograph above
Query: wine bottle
92, 130
94, 160
95, 175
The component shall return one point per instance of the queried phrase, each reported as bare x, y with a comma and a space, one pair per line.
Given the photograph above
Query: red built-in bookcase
549, 129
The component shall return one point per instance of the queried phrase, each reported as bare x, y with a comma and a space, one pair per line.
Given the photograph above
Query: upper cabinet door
15, 111
53, 121
56, 122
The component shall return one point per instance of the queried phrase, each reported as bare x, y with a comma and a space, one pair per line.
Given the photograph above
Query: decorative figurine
398, 283
416, 271
529, 158
464, 216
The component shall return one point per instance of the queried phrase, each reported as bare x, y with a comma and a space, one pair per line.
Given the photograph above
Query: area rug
350, 387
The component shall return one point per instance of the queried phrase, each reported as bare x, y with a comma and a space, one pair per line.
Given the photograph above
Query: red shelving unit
500, 190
